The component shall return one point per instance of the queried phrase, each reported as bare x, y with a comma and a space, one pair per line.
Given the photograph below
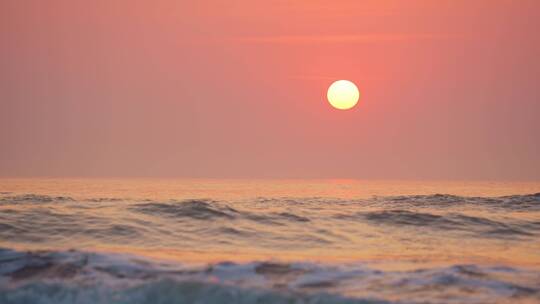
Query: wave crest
196, 209
452, 221
73, 276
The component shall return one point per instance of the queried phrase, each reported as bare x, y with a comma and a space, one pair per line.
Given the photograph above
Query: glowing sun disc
343, 94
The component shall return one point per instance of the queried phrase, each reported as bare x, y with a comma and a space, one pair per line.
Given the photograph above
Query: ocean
268, 241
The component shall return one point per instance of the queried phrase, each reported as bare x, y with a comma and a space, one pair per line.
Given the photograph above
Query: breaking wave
85, 277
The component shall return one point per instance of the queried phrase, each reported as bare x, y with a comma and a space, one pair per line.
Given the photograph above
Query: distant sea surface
268, 241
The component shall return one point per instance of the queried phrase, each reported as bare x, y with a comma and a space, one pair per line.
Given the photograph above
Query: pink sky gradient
449, 89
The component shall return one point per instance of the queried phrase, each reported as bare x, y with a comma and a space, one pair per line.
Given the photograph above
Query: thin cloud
313, 77
367, 38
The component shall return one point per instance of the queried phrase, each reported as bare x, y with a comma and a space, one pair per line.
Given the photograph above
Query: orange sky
450, 89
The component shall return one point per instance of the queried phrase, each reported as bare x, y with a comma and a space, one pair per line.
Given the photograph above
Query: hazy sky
449, 89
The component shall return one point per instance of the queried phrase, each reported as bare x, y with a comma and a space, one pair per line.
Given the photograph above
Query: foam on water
72, 276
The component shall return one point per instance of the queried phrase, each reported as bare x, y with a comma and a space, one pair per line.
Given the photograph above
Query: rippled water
94, 241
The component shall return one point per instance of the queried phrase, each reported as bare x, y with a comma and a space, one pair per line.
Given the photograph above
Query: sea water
268, 241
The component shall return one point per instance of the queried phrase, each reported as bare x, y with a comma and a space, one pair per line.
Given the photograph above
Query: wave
512, 202
7, 198
86, 277
48, 218
32, 198
526, 201
196, 209
453, 221
165, 291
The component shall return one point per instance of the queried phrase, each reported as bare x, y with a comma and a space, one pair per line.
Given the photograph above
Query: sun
343, 94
